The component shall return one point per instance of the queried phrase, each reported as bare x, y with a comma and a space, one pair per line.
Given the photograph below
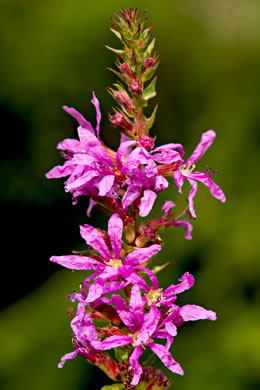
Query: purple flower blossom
143, 328
91, 171
186, 171
108, 267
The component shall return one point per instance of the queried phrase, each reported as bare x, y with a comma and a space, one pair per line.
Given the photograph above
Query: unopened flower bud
121, 122
149, 62
122, 98
129, 232
136, 87
126, 69
147, 142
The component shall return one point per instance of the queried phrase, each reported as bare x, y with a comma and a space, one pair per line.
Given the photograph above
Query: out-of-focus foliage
52, 54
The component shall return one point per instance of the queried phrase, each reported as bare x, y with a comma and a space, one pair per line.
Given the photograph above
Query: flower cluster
120, 306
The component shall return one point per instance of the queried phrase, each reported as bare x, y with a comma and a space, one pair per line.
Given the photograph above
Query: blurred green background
52, 53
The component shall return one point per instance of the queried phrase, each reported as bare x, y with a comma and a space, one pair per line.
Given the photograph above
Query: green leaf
149, 91
150, 120
149, 73
115, 386
150, 48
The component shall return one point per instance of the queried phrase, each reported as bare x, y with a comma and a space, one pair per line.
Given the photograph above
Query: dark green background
52, 53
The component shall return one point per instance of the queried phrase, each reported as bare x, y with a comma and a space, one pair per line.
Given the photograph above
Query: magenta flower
142, 328
108, 267
186, 171
85, 333
142, 177
90, 169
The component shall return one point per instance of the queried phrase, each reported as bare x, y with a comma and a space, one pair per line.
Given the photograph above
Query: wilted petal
205, 142
141, 255
112, 342
94, 238
105, 184
194, 313
80, 118
75, 262
115, 231
166, 358
133, 360
96, 104
66, 357
147, 202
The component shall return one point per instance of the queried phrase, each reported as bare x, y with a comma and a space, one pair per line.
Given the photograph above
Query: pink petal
178, 179
187, 226
194, 313
105, 184
112, 342
71, 145
205, 142
167, 208
75, 262
171, 328
214, 189
147, 202
92, 203
94, 238
96, 104
115, 231
133, 360
149, 325
93, 146
123, 311
83, 327
81, 181
151, 276
191, 196
80, 118
95, 290
123, 150
130, 195
60, 171
160, 183
187, 281
141, 255
166, 358
66, 357
167, 149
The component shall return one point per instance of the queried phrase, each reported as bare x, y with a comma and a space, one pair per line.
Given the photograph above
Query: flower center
187, 168
115, 263
154, 296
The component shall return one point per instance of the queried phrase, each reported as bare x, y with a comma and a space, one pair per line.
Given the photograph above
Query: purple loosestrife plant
121, 310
